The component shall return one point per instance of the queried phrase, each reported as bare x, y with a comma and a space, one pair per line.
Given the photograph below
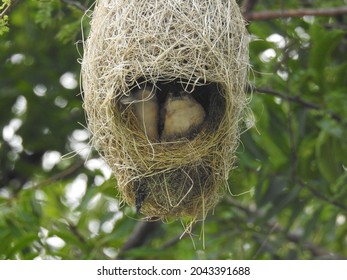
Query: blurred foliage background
288, 192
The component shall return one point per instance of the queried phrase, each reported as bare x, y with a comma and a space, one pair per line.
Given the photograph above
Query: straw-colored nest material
201, 45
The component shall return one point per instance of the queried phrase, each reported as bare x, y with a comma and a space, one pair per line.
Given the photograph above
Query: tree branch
174, 240
315, 250
248, 6
298, 100
75, 231
61, 175
321, 196
273, 227
140, 234
75, 4
7, 8
266, 15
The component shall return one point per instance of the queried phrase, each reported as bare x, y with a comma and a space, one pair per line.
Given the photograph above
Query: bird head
139, 95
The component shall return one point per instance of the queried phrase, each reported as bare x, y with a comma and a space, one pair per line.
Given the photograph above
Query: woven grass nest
198, 47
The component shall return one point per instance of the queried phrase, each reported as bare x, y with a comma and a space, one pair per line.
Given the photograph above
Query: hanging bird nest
198, 47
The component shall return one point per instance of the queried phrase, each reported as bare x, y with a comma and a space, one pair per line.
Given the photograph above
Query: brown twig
266, 15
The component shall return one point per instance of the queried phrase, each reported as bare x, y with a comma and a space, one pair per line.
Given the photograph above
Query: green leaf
21, 243
328, 153
311, 225
3, 25
69, 32
323, 44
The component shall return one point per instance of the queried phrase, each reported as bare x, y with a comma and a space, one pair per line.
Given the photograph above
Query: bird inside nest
166, 114
146, 110
181, 116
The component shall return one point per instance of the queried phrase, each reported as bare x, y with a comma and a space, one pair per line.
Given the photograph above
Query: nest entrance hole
210, 95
